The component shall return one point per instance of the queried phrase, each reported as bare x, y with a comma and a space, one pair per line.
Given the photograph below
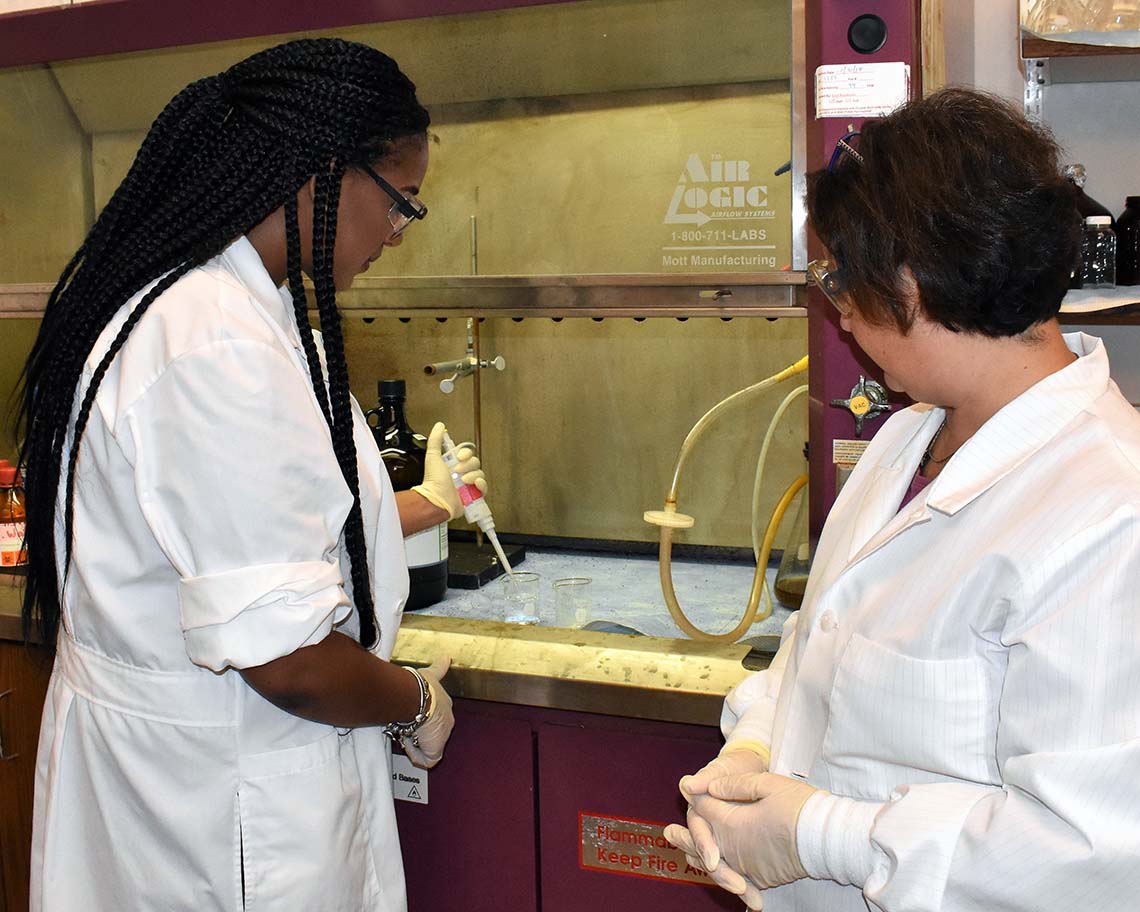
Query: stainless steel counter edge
635, 677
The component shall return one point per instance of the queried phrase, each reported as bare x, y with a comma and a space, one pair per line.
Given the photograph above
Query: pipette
474, 504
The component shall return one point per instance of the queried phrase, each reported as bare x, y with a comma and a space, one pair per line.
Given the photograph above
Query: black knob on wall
867, 33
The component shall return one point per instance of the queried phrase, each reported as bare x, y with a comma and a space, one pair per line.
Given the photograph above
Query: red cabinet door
24, 673
605, 790
472, 847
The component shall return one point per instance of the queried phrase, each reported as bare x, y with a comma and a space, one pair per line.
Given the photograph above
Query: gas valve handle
868, 399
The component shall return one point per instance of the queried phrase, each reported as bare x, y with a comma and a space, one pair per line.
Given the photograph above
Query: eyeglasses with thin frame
404, 209
846, 148
832, 282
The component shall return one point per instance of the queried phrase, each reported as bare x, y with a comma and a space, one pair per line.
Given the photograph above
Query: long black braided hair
224, 154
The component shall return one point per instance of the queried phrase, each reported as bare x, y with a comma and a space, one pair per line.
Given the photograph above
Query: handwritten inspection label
639, 848
860, 89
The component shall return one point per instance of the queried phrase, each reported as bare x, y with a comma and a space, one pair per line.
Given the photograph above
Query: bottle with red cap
13, 554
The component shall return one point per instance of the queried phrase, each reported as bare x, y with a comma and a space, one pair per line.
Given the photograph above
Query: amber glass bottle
403, 452
12, 551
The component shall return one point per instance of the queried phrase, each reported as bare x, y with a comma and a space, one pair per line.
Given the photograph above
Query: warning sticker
620, 845
847, 452
408, 782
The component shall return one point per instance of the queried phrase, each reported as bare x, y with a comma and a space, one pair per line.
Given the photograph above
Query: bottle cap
1099, 220
7, 476
392, 389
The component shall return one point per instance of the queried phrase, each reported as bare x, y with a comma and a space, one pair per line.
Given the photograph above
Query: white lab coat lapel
878, 518
244, 262
863, 526
1022, 427
1004, 442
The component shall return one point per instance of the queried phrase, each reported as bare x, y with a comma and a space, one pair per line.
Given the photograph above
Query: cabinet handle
3, 754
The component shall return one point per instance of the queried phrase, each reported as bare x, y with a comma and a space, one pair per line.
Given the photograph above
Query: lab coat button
828, 621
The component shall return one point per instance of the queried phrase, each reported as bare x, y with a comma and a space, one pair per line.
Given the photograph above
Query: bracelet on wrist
398, 730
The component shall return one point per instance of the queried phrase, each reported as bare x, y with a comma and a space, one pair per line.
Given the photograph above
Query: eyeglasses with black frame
404, 209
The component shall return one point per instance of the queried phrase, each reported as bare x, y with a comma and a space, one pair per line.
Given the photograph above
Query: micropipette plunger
475, 507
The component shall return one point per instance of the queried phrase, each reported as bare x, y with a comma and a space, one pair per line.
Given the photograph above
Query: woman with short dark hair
210, 526
953, 719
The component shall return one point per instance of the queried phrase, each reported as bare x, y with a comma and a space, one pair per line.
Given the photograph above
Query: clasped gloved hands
426, 749
743, 830
437, 486
732, 761
697, 841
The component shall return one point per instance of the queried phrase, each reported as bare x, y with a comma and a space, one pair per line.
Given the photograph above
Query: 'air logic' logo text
731, 196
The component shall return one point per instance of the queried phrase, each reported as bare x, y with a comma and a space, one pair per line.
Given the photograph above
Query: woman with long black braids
215, 548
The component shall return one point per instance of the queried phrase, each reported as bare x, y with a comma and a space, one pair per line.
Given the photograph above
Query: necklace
928, 455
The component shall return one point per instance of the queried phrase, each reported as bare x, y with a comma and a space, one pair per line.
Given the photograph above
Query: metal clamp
3, 754
462, 368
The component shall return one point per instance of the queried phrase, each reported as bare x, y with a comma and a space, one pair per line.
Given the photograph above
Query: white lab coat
970, 666
208, 515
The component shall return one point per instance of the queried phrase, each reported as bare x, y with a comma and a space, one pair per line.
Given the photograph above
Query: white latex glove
433, 734
732, 761
697, 841
753, 819
437, 485
722, 875
738, 759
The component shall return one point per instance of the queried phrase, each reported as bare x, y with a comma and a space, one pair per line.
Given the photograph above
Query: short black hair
968, 194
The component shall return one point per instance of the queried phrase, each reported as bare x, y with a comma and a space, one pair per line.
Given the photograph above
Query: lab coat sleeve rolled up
1061, 831
237, 479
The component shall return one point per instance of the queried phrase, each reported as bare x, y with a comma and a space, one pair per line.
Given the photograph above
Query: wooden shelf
1102, 318
1120, 305
1035, 47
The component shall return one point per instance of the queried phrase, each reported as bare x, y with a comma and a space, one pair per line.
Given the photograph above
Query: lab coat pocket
303, 831
895, 719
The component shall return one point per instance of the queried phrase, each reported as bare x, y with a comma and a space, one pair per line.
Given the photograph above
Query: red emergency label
622, 845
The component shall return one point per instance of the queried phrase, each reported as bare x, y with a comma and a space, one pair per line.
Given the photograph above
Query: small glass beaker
519, 592
572, 603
